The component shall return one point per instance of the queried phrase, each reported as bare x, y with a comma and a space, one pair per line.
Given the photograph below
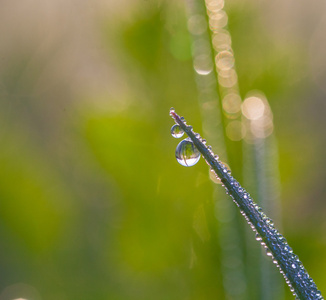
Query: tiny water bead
176, 131
186, 153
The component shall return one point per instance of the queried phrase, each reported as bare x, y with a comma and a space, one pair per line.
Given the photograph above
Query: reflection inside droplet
176, 131
186, 153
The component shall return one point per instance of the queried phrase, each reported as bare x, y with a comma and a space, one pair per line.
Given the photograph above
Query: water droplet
176, 131
258, 237
226, 168
186, 153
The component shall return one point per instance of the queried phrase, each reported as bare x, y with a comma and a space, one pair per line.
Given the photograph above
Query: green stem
298, 279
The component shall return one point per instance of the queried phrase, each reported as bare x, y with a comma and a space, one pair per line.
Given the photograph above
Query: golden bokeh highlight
228, 78
197, 24
20, 291
213, 177
203, 64
246, 121
200, 46
224, 164
214, 5
217, 20
253, 108
262, 128
235, 131
224, 60
258, 116
231, 103
225, 68
221, 40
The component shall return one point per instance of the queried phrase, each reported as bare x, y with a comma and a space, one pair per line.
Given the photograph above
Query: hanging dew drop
186, 153
176, 131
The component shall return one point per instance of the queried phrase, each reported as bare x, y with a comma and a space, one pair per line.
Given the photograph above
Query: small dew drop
176, 131
186, 153
258, 237
226, 168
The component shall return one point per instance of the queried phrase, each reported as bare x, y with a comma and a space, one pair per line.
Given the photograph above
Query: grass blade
296, 276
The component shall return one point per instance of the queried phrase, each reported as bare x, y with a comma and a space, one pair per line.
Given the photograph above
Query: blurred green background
93, 204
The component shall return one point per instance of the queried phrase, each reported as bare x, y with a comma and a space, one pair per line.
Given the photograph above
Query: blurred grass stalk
261, 164
226, 127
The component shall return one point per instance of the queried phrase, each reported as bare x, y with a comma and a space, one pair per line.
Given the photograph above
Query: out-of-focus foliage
93, 204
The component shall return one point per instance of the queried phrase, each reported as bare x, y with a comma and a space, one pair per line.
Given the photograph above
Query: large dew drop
186, 153
176, 131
